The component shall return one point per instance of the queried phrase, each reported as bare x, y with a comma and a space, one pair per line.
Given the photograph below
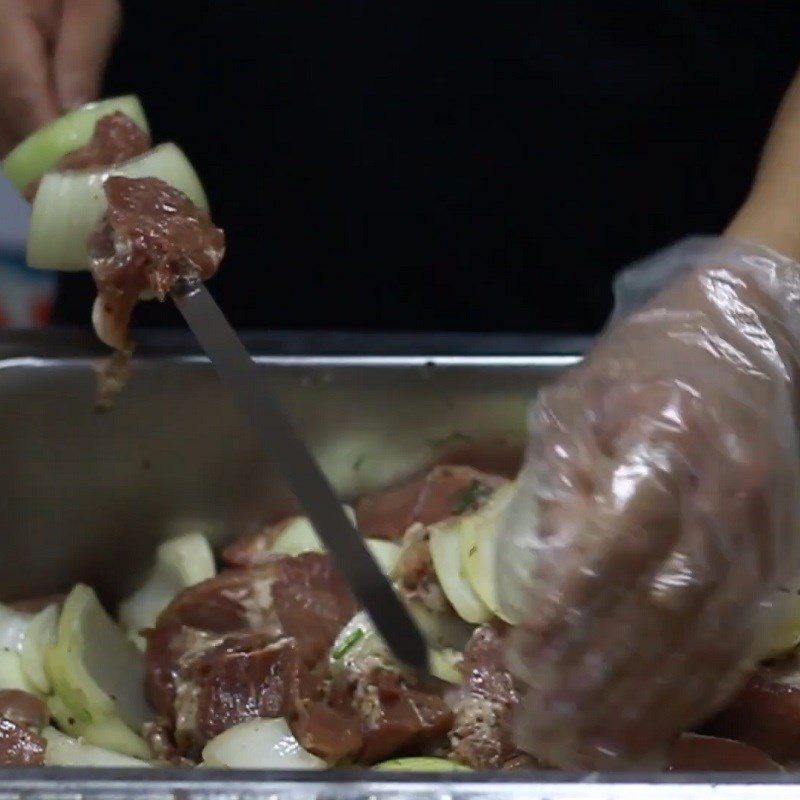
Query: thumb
86, 35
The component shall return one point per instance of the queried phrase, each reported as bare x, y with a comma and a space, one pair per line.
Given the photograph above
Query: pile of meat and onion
268, 662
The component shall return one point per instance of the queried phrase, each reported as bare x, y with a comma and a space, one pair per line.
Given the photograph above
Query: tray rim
70, 347
76, 343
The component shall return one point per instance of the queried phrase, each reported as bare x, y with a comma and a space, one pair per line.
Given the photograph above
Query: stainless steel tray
86, 496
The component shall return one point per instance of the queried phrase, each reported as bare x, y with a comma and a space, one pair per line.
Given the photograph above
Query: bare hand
52, 57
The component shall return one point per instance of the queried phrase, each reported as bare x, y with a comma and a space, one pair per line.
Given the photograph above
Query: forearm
770, 214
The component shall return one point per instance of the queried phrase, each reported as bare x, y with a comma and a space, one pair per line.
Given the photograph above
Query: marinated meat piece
151, 237
394, 716
116, 138
24, 709
443, 492
20, 746
481, 735
301, 596
223, 687
330, 732
231, 601
167, 646
312, 602
415, 572
766, 713
495, 456
694, 753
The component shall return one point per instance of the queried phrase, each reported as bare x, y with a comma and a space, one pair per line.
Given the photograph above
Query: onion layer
42, 150
180, 563
259, 744
64, 751
97, 674
445, 545
421, 764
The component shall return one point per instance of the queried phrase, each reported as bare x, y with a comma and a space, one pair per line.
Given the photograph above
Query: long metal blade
302, 473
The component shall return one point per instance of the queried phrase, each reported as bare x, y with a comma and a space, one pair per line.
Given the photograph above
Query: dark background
451, 166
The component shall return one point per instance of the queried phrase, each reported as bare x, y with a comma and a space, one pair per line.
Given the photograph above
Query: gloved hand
659, 508
52, 56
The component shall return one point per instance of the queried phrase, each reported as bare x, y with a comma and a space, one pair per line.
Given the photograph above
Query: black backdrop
452, 166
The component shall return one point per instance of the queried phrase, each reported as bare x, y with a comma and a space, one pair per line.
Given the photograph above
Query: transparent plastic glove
659, 509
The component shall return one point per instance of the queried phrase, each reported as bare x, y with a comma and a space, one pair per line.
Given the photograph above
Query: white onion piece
421, 764
69, 205
96, 671
479, 532
13, 627
299, 536
180, 563
41, 632
259, 744
781, 633
64, 751
359, 648
11, 673
386, 554
44, 148
444, 664
445, 546
110, 733
441, 628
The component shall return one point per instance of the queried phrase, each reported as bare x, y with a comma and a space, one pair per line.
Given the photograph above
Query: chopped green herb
354, 638
451, 438
475, 492
358, 462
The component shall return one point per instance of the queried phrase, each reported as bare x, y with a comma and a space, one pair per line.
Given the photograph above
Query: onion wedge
41, 632
180, 563
97, 673
479, 548
13, 628
445, 665
69, 205
299, 536
259, 744
64, 751
441, 628
421, 764
359, 649
445, 545
42, 150
12, 675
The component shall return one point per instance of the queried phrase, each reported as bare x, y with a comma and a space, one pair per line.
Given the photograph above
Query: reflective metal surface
87, 497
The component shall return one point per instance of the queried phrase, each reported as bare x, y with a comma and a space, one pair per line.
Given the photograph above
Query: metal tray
86, 496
